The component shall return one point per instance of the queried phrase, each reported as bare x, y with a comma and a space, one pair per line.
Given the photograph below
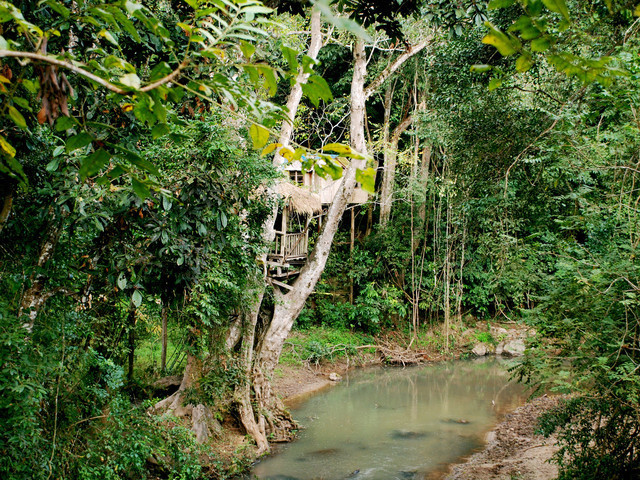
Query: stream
395, 423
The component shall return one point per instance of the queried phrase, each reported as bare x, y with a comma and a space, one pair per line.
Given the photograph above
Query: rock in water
479, 350
515, 348
334, 377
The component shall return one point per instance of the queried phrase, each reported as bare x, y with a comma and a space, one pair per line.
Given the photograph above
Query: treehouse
291, 244
304, 198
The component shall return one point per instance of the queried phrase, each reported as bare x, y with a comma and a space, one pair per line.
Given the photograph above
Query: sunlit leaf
557, 6
367, 179
499, 40
17, 117
259, 136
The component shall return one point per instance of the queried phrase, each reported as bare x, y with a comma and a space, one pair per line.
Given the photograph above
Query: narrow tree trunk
34, 296
389, 172
131, 320
163, 353
6, 210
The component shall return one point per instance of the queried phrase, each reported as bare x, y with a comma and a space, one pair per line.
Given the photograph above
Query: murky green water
393, 423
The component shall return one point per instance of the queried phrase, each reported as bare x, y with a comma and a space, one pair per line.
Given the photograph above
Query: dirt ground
295, 383
513, 450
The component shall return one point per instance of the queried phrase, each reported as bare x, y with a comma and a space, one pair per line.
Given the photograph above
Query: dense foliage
133, 210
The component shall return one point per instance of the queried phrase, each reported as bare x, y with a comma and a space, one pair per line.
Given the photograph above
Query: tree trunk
131, 320
34, 297
389, 172
163, 353
6, 210
288, 306
286, 130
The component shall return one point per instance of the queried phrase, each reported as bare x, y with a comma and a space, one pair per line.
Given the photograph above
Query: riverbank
513, 449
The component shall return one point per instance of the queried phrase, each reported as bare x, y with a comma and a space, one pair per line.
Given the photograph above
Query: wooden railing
291, 245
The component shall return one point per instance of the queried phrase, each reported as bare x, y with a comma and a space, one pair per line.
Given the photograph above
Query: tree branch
393, 66
82, 72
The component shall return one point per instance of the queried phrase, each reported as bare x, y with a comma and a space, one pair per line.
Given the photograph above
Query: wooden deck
288, 255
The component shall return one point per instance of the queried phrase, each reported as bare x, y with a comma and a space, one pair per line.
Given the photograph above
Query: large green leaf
259, 135
499, 40
93, 163
557, 6
80, 140
367, 179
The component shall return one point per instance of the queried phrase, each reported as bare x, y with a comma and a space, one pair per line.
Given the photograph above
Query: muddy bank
513, 449
296, 383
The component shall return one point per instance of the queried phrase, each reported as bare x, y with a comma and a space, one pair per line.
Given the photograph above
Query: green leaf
144, 164
130, 80
367, 179
495, 83
161, 70
160, 130
317, 89
22, 103
540, 44
247, 49
495, 4
80, 140
122, 281
259, 136
480, 68
557, 6
342, 150
59, 8
524, 62
290, 56
499, 40
6, 147
223, 219
65, 123
332, 168
93, 163
136, 298
141, 189
17, 117
108, 36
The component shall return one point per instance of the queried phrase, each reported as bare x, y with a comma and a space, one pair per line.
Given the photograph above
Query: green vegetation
136, 185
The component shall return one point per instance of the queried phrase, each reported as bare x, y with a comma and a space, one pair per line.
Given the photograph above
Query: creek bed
394, 423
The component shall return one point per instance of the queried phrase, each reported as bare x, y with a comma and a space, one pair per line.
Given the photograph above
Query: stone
183, 410
202, 419
334, 377
514, 348
500, 348
480, 350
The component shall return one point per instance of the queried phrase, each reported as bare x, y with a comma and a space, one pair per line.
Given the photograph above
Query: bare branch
393, 66
84, 73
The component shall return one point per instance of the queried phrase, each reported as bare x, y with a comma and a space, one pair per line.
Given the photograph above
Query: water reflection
396, 423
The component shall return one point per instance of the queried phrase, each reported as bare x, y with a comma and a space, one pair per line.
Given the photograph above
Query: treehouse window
296, 176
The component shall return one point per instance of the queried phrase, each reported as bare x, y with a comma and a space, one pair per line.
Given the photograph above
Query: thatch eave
299, 199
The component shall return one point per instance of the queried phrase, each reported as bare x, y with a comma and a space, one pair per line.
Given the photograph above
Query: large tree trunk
288, 306
35, 295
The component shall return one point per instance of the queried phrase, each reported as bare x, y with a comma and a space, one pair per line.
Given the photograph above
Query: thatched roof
299, 199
